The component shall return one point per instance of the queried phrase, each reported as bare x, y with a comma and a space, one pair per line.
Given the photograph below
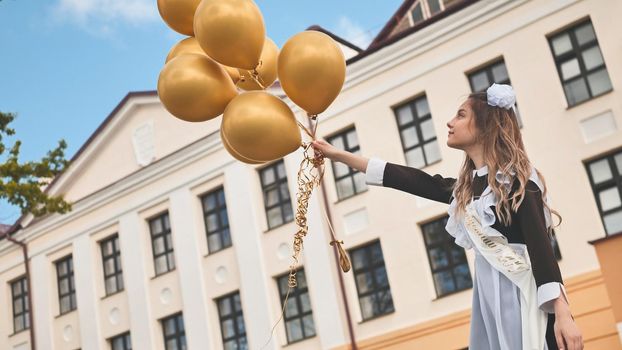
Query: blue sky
65, 64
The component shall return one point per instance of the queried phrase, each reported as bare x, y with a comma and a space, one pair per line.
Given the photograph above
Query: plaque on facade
144, 143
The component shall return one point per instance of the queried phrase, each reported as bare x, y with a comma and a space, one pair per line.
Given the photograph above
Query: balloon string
254, 75
279, 320
305, 129
257, 78
310, 175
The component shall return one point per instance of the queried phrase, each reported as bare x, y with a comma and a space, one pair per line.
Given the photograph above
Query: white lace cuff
375, 172
547, 293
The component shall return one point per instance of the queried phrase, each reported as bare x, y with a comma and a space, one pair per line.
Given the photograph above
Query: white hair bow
501, 95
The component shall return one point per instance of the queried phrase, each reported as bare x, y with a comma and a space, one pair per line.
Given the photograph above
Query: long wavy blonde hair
503, 150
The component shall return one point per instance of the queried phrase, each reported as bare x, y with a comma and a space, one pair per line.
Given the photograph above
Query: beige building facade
171, 242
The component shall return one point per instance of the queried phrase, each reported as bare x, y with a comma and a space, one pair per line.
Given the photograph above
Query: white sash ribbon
517, 268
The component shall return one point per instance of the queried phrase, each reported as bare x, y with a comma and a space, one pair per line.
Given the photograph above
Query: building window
420, 12
111, 258
66, 285
276, 194
481, 79
580, 63
162, 244
448, 262
174, 332
121, 342
417, 13
298, 318
434, 6
606, 179
417, 133
348, 181
232, 325
372, 284
216, 220
21, 320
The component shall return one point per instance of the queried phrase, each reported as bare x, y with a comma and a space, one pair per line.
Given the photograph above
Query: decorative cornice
133, 182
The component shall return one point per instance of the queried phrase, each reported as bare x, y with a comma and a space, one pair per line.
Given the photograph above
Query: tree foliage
22, 184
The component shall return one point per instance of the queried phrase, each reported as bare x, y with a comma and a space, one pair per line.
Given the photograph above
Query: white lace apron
513, 262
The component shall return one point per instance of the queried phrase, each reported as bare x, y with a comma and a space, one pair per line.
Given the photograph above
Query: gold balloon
231, 32
312, 70
233, 153
260, 127
195, 88
191, 45
179, 14
234, 74
187, 45
266, 70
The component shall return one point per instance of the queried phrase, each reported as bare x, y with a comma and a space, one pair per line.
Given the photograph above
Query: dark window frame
179, 334
376, 289
445, 244
167, 241
277, 185
296, 295
117, 273
416, 124
22, 298
343, 136
575, 52
234, 315
417, 7
614, 182
222, 231
125, 339
67, 261
426, 10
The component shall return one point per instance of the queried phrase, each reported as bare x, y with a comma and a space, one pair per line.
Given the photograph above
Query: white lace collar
483, 205
505, 179
481, 171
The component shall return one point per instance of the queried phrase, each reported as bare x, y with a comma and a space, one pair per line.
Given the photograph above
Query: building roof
17, 225
4, 228
388, 30
386, 36
335, 37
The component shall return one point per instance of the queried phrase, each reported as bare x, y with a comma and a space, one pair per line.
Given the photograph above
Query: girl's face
462, 131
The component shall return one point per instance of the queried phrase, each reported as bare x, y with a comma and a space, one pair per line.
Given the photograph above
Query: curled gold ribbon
310, 174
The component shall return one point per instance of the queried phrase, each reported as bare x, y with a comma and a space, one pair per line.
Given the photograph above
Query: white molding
250, 257
119, 119
190, 269
63, 180
134, 182
86, 294
136, 282
42, 301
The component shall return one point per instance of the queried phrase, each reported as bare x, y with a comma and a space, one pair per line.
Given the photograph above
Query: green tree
22, 184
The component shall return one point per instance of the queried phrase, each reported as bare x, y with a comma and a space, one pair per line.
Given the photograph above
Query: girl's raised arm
399, 177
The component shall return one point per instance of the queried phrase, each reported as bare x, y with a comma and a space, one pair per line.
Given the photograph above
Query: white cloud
105, 12
353, 32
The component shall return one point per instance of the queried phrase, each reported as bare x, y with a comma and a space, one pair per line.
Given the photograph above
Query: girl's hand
329, 151
567, 333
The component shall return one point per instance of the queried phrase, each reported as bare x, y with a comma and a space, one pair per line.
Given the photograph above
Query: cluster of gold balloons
227, 51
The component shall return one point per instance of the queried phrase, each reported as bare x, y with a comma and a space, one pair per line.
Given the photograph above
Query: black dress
528, 227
